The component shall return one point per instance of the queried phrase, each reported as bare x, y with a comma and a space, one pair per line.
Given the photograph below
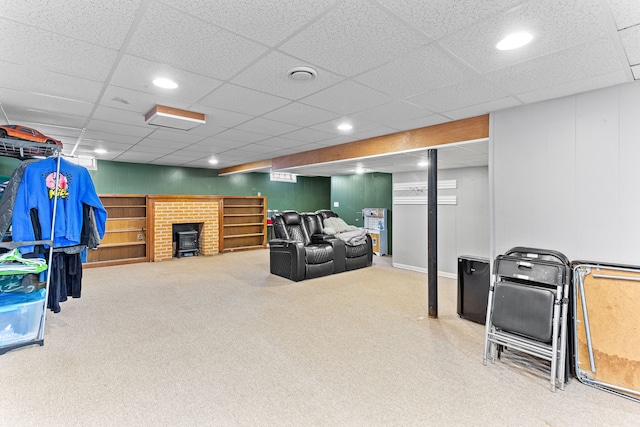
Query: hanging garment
36, 191
66, 279
9, 196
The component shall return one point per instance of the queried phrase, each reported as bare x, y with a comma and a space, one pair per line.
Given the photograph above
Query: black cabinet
474, 279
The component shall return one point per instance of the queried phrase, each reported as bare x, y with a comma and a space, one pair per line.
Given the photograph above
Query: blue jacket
37, 190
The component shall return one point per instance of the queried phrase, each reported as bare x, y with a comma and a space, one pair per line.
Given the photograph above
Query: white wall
463, 229
565, 175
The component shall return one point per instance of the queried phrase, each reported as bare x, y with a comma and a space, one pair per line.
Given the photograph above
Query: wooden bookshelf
244, 223
125, 240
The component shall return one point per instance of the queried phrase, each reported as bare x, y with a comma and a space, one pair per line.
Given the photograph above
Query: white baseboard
423, 270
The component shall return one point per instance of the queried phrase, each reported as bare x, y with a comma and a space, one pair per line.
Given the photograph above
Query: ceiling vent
174, 118
301, 74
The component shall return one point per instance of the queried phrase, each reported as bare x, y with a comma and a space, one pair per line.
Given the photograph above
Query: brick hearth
167, 211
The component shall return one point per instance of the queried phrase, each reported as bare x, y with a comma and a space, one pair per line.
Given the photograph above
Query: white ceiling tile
136, 157
118, 128
555, 25
573, 87
54, 52
396, 111
138, 74
361, 36
175, 136
188, 43
242, 136
204, 164
479, 109
25, 115
281, 143
420, 122
331, 126
439, 18
243, 156
300, 115
156, 149
163, 143
266, 22
104, 23
37, 80
470, 92
587, 60
269, 75
109, 141
207, 129
258, 148
346, 98
182, 157
268, 127
243, 100
117, 115
308, 135
218, 118
631, 42
59, 56
417, 72
625, 12
139, 103
213, 145
46, 105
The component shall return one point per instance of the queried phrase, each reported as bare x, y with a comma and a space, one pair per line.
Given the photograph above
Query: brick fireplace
169, 210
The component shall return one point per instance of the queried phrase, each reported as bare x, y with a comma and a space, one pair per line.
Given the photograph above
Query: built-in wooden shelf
244, 223
125, 240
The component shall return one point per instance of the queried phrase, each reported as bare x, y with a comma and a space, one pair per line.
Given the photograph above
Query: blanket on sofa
349, 234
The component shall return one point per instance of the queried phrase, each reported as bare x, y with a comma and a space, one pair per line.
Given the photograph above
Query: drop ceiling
81, 71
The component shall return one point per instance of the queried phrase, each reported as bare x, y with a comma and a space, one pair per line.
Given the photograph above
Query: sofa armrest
287, 259
321, 238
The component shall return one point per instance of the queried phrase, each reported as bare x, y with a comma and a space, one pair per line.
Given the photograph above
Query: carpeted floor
218, 341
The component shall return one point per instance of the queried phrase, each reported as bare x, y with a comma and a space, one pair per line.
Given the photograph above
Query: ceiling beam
445, 133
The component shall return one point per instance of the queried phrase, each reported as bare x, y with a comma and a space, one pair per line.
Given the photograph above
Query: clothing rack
23, 150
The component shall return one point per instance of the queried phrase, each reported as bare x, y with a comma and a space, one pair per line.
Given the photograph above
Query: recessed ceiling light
514, 41
165, 83
213, 161
359, 170
100, 151
345, 126
302, 74
423, 163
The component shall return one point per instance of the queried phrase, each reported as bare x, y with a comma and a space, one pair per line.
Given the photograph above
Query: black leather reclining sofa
300, 249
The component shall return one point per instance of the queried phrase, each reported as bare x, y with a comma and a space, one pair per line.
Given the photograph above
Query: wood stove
186, 243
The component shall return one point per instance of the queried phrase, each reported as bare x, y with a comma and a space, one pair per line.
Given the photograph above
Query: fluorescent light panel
175, 118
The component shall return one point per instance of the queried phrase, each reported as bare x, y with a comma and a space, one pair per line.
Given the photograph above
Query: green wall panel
308, 194
356, 192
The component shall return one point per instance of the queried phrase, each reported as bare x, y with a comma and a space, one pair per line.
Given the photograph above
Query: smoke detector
301, 74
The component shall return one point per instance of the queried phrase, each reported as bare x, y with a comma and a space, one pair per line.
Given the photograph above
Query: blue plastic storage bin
20, 316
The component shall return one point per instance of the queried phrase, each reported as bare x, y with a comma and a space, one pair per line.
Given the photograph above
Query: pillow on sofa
337, 225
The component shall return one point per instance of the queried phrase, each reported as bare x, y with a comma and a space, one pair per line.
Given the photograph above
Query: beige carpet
218, 341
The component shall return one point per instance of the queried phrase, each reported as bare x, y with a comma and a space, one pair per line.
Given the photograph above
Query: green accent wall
307, 195
356, 192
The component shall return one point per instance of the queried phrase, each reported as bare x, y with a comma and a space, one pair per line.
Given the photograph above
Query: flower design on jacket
63, 185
